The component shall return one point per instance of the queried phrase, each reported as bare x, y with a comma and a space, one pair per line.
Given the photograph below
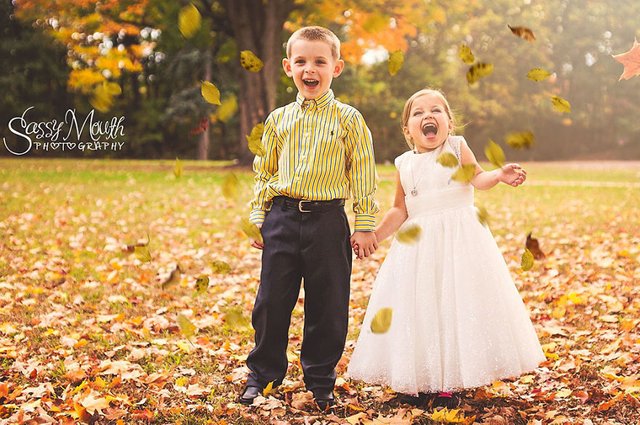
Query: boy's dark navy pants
314, 247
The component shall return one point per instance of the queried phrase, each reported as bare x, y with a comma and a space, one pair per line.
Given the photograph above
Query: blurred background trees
128, 58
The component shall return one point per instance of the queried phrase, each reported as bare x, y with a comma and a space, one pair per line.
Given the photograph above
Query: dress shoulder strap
454, 142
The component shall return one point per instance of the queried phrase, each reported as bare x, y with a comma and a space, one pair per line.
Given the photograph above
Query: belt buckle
301, 208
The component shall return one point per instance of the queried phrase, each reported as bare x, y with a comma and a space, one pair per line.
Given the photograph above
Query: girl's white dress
458, 320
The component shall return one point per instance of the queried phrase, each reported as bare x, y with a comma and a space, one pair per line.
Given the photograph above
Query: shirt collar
320, 102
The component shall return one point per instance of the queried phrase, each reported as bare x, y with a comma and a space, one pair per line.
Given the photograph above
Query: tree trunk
257, 26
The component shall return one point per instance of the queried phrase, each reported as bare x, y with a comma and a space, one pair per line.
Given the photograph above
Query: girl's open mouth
429, 128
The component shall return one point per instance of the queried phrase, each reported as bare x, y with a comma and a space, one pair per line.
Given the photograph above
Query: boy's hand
255, 243
364, 243
513, 175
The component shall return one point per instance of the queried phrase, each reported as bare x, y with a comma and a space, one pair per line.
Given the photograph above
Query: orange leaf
631, 61
523, 32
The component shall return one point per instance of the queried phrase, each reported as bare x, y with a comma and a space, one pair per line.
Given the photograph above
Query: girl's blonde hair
409, 103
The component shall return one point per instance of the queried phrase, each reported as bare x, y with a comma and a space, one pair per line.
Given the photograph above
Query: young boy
318, 151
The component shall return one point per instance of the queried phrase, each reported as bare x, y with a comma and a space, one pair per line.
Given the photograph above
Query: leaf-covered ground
95, 329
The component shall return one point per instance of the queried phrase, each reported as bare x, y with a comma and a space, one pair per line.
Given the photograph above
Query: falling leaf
177, 168
396, 59
538, 74
189, 20
409, 234
447, 159
465, 53
465, 173
230, 186
268, 389
235, 319
526, 263
560, 105
202, 284
220, 267
520, 140
255, 140
382, 321
227, 109
250, 61
494, 154
210, 92
477, 71
173, 278
631, 61
142, 252
483, 215
102, 98
523, 32
251, 230
187, 328
533, 245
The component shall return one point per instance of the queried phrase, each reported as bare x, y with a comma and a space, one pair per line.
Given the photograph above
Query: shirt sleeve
265, 167
362, 173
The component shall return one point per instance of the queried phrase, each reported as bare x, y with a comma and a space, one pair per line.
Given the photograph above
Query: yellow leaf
538, 74
447, 159
465, 173
177, 168
560, 105
483, 215
396, 60
255, 140
268, 389
523, 32
102, 99
210, 93
520, 140
142, 252
250, 61
526, 261
251, 230
382, 321
409, 234
188, 329
230, 186
494, 154
478, 71
454, 416
465, 53
202, 284
227, 109
235, 319
189, 20
183, 381
220, 267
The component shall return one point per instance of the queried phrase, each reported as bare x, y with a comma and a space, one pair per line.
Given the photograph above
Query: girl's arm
511, 174
396, 215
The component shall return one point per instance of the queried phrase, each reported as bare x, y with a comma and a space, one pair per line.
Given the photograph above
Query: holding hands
512, 174
364, 243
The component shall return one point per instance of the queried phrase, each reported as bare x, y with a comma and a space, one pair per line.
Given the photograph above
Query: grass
66, 224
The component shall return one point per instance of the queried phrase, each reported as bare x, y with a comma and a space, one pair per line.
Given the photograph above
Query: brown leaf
533, 245
523, 32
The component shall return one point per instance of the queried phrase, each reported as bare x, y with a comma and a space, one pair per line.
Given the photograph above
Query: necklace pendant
414, 192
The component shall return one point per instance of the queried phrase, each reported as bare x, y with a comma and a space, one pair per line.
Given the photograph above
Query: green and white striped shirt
317, 150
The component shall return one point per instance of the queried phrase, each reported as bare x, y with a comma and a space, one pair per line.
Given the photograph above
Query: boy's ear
339, 66
286, 65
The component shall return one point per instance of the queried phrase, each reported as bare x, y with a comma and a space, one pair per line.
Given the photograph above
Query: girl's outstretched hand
513, 174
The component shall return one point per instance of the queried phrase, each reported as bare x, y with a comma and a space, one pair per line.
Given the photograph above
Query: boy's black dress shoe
249, 394
324, 398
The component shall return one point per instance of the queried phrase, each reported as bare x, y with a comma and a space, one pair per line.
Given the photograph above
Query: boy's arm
362, 173
265, 167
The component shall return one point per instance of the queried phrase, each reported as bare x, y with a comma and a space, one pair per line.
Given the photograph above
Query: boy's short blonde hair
316, 33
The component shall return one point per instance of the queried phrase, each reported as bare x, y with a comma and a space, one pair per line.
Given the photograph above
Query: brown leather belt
306, 206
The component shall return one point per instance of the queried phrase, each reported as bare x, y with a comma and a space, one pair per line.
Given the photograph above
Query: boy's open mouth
429, 128
311, 83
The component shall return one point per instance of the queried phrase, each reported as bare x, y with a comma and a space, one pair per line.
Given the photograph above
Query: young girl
457, 319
